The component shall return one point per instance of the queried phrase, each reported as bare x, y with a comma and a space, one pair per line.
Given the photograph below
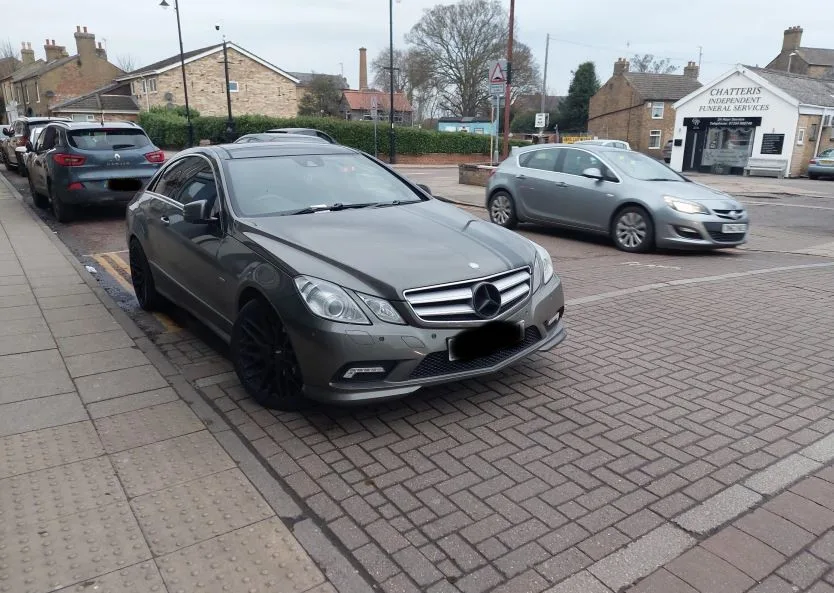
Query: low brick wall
473, 174
436, 158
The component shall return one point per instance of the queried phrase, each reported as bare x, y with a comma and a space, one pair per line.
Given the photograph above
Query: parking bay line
118, 270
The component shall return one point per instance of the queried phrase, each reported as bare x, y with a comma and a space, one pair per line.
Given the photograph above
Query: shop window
654, 139
800, 136
657, 110
728, 147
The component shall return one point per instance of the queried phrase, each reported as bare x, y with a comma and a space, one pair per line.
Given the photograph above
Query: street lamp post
391, 140
505, 147
164, 4
230, 122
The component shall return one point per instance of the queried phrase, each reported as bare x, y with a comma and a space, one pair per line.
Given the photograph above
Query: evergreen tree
573, 113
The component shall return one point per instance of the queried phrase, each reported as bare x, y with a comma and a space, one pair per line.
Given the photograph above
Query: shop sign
696, 124
772, 143
741, 98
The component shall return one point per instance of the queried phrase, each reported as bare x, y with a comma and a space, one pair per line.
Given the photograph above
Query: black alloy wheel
63, 212
264, 358
142, 278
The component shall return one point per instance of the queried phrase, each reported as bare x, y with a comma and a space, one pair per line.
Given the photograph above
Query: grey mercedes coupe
335, 278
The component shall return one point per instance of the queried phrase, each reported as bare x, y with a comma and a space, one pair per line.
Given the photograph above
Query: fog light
688, 232
353, 371
555, 319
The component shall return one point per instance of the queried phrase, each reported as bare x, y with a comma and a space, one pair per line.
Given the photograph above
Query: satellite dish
169, 97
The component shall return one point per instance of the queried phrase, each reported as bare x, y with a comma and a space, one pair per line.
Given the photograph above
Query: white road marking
788, 205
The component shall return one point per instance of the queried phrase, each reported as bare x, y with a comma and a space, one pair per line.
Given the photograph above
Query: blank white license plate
733, 228
826, 162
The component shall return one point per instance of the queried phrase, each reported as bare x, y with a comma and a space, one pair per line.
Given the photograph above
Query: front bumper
676, 230
413, 357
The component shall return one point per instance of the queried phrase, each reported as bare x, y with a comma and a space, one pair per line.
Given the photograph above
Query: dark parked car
304, 132
335, 278
18, 135
81, 163
275, 137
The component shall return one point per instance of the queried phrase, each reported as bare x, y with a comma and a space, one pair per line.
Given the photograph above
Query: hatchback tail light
812, 162
69, 160
155, 157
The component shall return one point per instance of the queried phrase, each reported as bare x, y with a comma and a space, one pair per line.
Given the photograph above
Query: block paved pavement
109, 480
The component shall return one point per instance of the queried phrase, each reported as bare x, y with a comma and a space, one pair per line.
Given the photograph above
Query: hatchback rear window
104, 139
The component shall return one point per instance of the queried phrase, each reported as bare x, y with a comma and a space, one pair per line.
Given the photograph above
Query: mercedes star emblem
486, 300
117, 156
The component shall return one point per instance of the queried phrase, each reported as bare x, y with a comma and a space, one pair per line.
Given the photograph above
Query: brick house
38, 85
114, 101
638, 106
809, 61
257, 86
358, 104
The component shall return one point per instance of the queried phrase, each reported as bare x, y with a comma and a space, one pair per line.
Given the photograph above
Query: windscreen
106, 139
276, 185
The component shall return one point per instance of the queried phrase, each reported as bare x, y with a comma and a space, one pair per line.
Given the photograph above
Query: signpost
541, 120
375, 116
497, 79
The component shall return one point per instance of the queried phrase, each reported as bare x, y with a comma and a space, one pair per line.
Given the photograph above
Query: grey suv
335, 278
79, 163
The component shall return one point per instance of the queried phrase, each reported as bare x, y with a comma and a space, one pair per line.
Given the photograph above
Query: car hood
391, 249
697, 192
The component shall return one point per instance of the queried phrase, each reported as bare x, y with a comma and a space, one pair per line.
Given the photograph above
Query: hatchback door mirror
425, 188
593, 173
8, 132
197, 212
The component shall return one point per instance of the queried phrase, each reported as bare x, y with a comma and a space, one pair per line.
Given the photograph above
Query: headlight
382, 309
329, 301
685, 206
542, 267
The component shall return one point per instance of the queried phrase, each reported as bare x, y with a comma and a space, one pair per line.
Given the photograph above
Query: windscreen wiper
395, 203
329, 208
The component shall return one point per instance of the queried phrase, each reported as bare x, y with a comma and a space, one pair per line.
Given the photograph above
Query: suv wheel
632, 230
264, 358
502, 210
142, 278
63, 212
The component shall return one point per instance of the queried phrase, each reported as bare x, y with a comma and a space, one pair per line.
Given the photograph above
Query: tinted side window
172, 180
539, 159
201, 186
576, 161
48, 138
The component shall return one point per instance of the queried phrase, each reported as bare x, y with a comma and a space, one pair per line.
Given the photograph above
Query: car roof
89, 125
285, 137
290, 130
585, 146
266, 149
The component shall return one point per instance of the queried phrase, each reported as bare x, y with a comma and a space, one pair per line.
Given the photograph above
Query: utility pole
230, 122
544, 73
505, 147
392, 158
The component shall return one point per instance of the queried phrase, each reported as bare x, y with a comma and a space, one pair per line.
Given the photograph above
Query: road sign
541, 120
498, 72
374, 105
497, 90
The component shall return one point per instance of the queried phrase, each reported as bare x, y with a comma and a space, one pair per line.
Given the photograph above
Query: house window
800, 136
26, 92
657, 110
233, 86
152, 85
38, 91
814, 130
654, 139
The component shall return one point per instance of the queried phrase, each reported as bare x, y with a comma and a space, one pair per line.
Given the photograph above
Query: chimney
363, 69
101, 52
85, 44
792, 39
54, 52
691, 70
620, 66
27, 54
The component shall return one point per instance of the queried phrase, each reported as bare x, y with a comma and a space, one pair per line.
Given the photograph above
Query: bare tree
7, 50
126, 62
648, 63
412, 76
457, 42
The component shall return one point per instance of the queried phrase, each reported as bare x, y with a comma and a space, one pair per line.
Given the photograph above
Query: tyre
632, 230
40, 200
142, 278
264, 358
813, 176
6, 160
502, 210
63, 212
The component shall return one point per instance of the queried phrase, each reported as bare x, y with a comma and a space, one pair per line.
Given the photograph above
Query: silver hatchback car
635, 199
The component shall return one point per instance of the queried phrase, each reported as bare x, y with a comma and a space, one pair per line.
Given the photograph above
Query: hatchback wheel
502, 210
264, 358
142, 278
63, 212
633, 230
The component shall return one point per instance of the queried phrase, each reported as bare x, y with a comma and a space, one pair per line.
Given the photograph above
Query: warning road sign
498, 72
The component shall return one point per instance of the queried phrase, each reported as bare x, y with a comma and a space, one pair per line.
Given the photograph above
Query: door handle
520, 176
165, 220
560, 184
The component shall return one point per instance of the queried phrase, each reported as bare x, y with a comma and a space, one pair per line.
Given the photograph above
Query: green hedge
170, 130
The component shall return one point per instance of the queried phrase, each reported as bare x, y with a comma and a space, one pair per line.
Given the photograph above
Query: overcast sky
316, 35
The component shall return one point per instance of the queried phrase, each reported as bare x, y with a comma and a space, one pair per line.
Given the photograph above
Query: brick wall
262, 91
804, 152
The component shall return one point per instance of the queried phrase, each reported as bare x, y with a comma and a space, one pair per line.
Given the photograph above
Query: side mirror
593, 173
197, 212
29, 147
8, 132
425, 188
